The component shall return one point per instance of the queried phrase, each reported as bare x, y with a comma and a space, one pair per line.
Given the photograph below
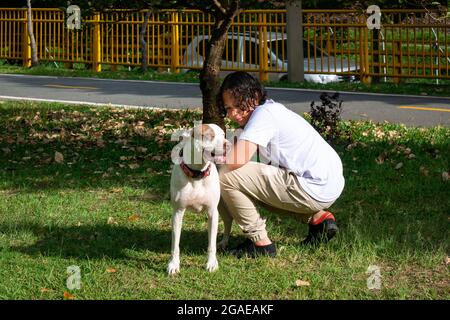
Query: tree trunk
34, 58
143, 42
209, 76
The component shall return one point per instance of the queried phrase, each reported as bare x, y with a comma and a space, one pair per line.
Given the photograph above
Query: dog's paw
173, 267
212, 264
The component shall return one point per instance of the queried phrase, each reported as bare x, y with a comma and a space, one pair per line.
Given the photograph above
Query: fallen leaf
43, 290
59, 158
399, 165
407, 151
351, 146
445, 176
301, 283
141, 149
411, 156
68, 296
117, 190
424, 171
46, 161
381, 158
379, 133
111, 270
111, 220
134, 166
134, 217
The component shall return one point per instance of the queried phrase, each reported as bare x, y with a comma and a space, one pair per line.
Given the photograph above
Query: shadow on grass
100, 241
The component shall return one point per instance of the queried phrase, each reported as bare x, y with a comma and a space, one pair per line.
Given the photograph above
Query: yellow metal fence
411, 43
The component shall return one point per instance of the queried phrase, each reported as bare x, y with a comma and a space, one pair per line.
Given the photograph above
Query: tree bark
144, 64
209, 75
34, 58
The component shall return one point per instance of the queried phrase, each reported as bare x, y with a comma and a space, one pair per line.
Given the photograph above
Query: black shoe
322, 232
249, 249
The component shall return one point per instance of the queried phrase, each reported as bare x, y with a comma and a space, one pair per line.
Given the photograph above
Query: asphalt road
410, 110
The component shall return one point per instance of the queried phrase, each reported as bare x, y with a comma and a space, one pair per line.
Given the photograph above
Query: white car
242, 52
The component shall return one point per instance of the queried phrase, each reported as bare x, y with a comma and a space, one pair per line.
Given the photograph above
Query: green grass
54, 215
82, 70
408, 86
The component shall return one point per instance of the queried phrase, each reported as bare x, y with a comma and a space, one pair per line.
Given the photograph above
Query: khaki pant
276, 189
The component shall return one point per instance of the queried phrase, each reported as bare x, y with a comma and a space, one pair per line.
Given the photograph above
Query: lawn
88, 187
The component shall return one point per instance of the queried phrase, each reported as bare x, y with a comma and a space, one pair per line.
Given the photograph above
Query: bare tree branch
220, 7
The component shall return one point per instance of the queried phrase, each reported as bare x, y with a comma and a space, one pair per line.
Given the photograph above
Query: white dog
194, 184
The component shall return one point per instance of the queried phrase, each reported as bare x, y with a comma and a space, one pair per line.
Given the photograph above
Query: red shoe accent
326, 215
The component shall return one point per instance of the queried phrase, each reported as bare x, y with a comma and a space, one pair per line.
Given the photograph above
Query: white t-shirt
288, 140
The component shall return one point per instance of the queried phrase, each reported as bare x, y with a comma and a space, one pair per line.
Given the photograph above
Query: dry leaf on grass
447, 260
111, 220
43, 290
68, 296
134, 217
445, 176
59, 158
111, 270
133, 166
424, 171
302, 283
399, 165
381, 158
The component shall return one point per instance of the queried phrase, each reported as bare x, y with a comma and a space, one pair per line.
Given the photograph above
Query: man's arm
241, 153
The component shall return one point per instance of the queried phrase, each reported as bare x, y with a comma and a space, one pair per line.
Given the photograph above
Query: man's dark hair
244, 87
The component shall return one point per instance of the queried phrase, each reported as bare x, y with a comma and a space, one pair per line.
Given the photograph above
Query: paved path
410, 110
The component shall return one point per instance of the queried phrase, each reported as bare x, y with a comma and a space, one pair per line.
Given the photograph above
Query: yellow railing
411, 43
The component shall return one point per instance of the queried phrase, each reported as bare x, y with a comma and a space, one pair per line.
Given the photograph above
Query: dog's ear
202, 132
